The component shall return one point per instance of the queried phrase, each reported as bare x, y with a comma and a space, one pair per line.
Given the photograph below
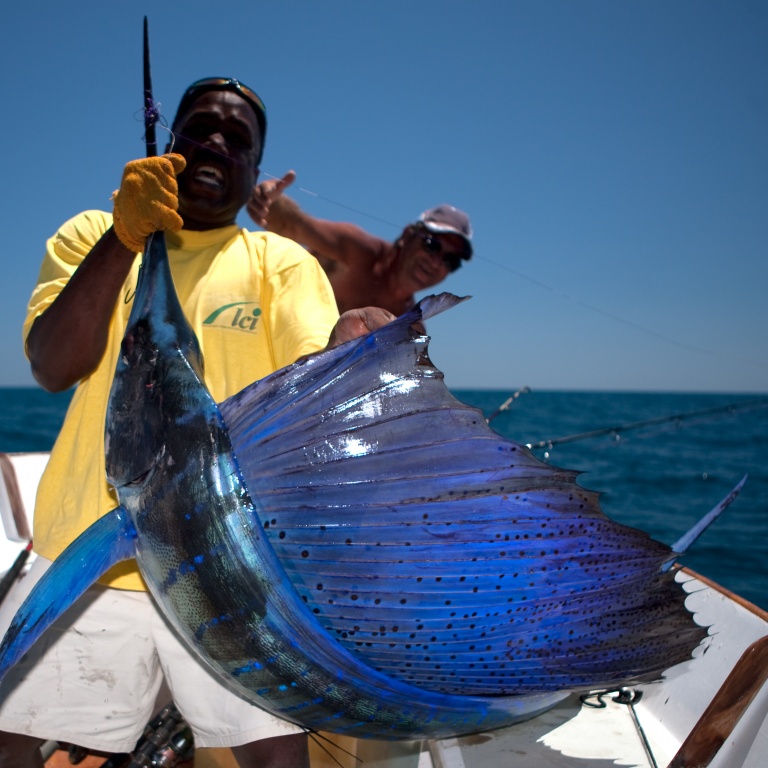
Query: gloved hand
147, 200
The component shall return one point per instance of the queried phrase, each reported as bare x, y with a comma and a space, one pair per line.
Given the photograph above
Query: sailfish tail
105, 543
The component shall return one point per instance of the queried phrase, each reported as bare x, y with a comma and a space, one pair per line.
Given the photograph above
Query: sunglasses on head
434, 247
226, 84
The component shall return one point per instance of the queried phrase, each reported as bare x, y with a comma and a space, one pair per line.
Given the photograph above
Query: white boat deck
564, 737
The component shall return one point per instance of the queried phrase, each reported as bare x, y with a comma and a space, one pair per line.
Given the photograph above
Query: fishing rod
729, 408
506, 405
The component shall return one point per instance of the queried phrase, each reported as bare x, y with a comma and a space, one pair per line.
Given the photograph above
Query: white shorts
94, 677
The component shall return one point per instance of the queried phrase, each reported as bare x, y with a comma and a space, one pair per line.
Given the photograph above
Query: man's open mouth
209, 174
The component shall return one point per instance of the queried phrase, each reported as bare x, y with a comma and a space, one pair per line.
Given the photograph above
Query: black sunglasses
434, 247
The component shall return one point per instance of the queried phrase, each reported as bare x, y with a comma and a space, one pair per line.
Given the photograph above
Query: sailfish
353, 549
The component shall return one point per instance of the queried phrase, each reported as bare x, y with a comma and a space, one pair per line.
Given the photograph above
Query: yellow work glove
147, 200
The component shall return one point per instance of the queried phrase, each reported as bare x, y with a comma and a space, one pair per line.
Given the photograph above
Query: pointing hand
264, 194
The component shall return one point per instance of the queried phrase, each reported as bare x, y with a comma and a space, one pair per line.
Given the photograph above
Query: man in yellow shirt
257, 303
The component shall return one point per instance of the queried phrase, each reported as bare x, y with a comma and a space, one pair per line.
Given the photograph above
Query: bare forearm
68, 340
329, 240
287, 219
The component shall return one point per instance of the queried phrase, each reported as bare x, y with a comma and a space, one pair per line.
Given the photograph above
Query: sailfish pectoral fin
107, 542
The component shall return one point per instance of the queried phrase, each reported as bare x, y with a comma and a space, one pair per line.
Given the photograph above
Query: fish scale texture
437, 552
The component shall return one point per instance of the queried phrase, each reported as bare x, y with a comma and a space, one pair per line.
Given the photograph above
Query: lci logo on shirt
242, 314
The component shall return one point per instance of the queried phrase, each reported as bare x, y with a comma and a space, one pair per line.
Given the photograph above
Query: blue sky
612, 155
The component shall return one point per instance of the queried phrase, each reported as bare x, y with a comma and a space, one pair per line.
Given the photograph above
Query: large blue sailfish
353, 549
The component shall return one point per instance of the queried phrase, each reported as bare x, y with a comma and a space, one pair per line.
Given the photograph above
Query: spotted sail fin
441, 554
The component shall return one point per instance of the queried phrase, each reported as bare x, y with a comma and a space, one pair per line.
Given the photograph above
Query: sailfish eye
141, 479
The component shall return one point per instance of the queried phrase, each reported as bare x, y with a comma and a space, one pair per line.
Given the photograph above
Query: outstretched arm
332, 240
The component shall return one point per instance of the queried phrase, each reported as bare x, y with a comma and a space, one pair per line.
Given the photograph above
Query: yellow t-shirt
256, 301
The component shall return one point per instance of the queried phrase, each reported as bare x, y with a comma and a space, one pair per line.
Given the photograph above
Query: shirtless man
365, 270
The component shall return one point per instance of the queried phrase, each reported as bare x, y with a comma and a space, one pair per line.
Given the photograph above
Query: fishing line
153, 118
316, 736
337, 204
604, 313
544, 286
158, 119
151, 115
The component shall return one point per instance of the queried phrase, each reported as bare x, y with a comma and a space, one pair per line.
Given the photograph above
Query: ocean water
659, 477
